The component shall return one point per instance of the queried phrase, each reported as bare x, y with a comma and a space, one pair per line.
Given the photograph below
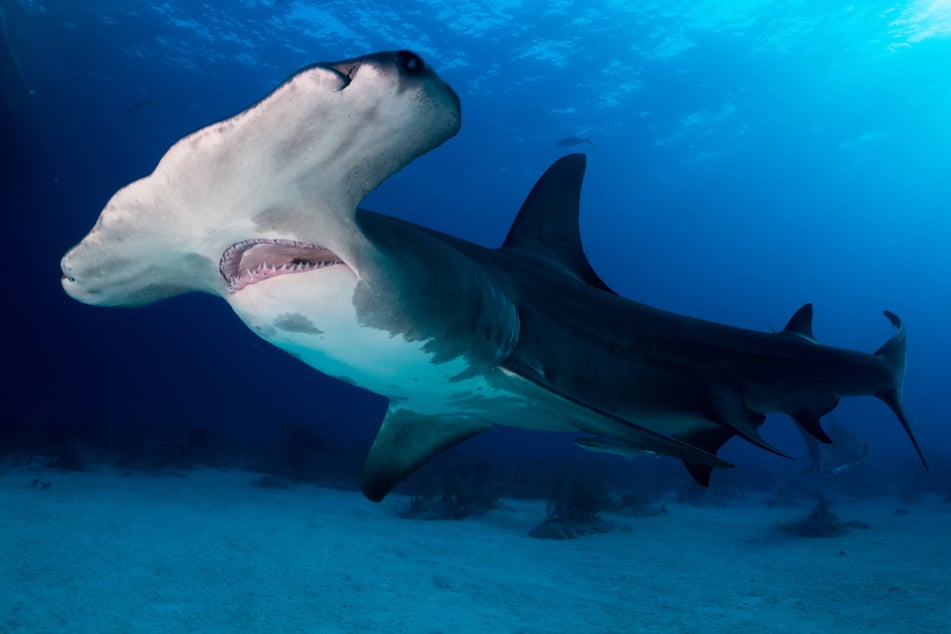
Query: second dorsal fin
800, 324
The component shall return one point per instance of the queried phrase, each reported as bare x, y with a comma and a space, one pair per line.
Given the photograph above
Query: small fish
570, 141
602, 445
140, 103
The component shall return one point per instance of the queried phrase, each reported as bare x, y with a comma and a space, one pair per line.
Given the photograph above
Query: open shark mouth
252, 261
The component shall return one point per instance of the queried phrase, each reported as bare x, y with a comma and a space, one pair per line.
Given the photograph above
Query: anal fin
808, 417
406, 441
709, 440
727, 409
812, 425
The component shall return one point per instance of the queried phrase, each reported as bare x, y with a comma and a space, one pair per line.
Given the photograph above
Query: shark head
270, 192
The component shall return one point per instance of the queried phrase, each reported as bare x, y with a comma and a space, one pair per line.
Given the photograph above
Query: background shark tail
893, 352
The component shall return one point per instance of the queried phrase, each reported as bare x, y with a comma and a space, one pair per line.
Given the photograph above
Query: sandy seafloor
101, 552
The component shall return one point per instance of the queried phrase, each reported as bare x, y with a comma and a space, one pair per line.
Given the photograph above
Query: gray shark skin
261, 209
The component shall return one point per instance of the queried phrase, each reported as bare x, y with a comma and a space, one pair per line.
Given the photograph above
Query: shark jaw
252, 261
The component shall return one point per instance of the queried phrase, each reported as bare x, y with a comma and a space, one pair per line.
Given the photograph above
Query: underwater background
744, 158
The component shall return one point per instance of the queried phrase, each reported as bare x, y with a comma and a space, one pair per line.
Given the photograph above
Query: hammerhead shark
261, 209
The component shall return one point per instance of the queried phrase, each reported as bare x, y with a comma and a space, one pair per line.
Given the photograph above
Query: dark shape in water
276, 482
141, 103
454, 498
68, 457
821, 522
574, 510
843, 451
571, 141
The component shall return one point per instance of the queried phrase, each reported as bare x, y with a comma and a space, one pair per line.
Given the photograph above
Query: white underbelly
318, 324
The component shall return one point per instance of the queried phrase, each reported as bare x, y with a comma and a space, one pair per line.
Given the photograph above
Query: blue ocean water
745, 158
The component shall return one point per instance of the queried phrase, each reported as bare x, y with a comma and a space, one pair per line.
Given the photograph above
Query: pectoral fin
406, 441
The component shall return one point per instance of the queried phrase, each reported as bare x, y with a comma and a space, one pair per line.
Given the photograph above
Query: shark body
261, 209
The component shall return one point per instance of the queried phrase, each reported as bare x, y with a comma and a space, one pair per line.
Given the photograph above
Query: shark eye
410, 62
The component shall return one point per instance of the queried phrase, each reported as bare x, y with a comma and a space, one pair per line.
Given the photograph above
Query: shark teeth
252, 261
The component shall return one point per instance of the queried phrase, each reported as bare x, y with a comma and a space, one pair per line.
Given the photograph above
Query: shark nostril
410, 62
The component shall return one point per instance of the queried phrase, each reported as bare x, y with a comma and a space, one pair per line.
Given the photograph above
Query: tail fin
893, 352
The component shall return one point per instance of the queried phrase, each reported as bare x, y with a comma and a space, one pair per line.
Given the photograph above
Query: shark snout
67, 276
63, 275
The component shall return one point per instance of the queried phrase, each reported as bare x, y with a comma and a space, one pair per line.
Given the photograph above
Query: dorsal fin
801, 323
547, 224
